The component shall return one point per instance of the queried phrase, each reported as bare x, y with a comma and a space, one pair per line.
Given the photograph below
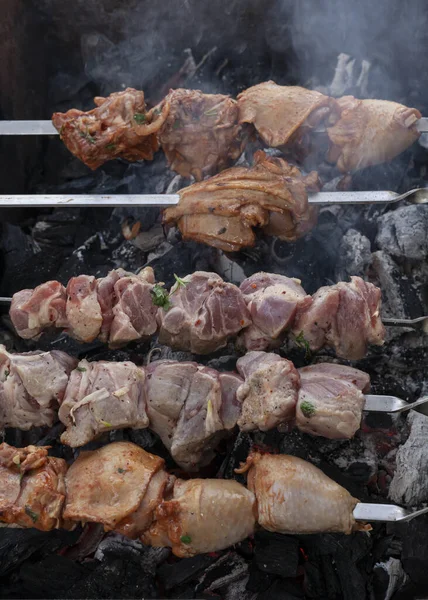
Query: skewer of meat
127, 490
191, 407
202, 312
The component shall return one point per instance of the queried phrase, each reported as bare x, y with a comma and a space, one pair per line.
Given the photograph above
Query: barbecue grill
59, 220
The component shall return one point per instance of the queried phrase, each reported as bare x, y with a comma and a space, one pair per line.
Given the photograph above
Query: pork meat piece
107, 300
223, 210
108, 485
283, 114
272, 301
119, 127
295, 497
203, 515
83, 308
32, 311
269, 392
344, 316
191, 408
102, 396
204, 313
31, 387
32, 487
201, 134
370, 132
331, 400
134, 313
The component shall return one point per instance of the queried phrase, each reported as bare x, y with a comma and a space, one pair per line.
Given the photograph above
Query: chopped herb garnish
186, 539
111, 147
307, 409
120, 470
179, 283
81, 369
34, 516
160, 296
139, 118
211, 112
157, 111
88, 137
303, 343
6, 374
105, 423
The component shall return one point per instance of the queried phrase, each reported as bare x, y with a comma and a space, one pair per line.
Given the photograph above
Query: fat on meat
272, 301
205, 311
344, 316
119, 127
331, 400
33, 310
32, 385
269, 392
203, 515
295, 497
201, 134
32, 493
102, 396
134, 313
281, 114
370, 132
223, 210
83, 310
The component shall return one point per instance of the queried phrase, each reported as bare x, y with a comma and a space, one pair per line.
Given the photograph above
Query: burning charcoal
173, 574
389, 576
354, 255
229, 569
404, 232
415, 549
276, 554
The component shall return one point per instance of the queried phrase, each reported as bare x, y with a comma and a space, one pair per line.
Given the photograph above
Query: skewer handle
384, 512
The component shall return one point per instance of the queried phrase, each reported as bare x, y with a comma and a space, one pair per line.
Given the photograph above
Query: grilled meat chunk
32, 490
331, 400
294, 496
83, 309
203, 515
102, 396
370, 132
284, 114
32, 311
119, 127
345, 316
272, 301
269, 393
31, 387
201, 134
223, 210
205, 311
191, 408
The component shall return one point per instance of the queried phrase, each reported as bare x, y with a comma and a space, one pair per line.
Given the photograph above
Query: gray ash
232, 45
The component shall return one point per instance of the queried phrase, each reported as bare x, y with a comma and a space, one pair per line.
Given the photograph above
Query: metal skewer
385, 512
392, 404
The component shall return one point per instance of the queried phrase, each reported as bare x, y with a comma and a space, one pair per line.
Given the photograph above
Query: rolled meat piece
284, 114
269, 392
223, 210
370, 132
203, 313
203, 515
295, 497
119, 127
201, 134
272, 301
331, 400
32, 490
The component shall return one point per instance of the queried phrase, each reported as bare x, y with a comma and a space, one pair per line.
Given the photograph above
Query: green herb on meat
307, 409
105, 423
140, 118
111, 147
81, 369
34, 516
160, 296
303, 343
186, 539
87, 136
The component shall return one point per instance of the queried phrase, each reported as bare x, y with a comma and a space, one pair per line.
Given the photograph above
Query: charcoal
414, 554
228, 569
278, 591
179, 572
388, 578
276, 554
258, 581
354, 255
403, 232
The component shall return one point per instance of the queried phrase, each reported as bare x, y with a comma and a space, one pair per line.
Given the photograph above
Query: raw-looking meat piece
331, 400
102, 396
203, 515
134, 314
83, 309
107, 299
223, 210
108, 485
294, 496
32, 490
201, 134
344, 316
191, 408
269, 393
205, 311
272, 301
281, 114
31, 387
370, 132
32, 311
119, 127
